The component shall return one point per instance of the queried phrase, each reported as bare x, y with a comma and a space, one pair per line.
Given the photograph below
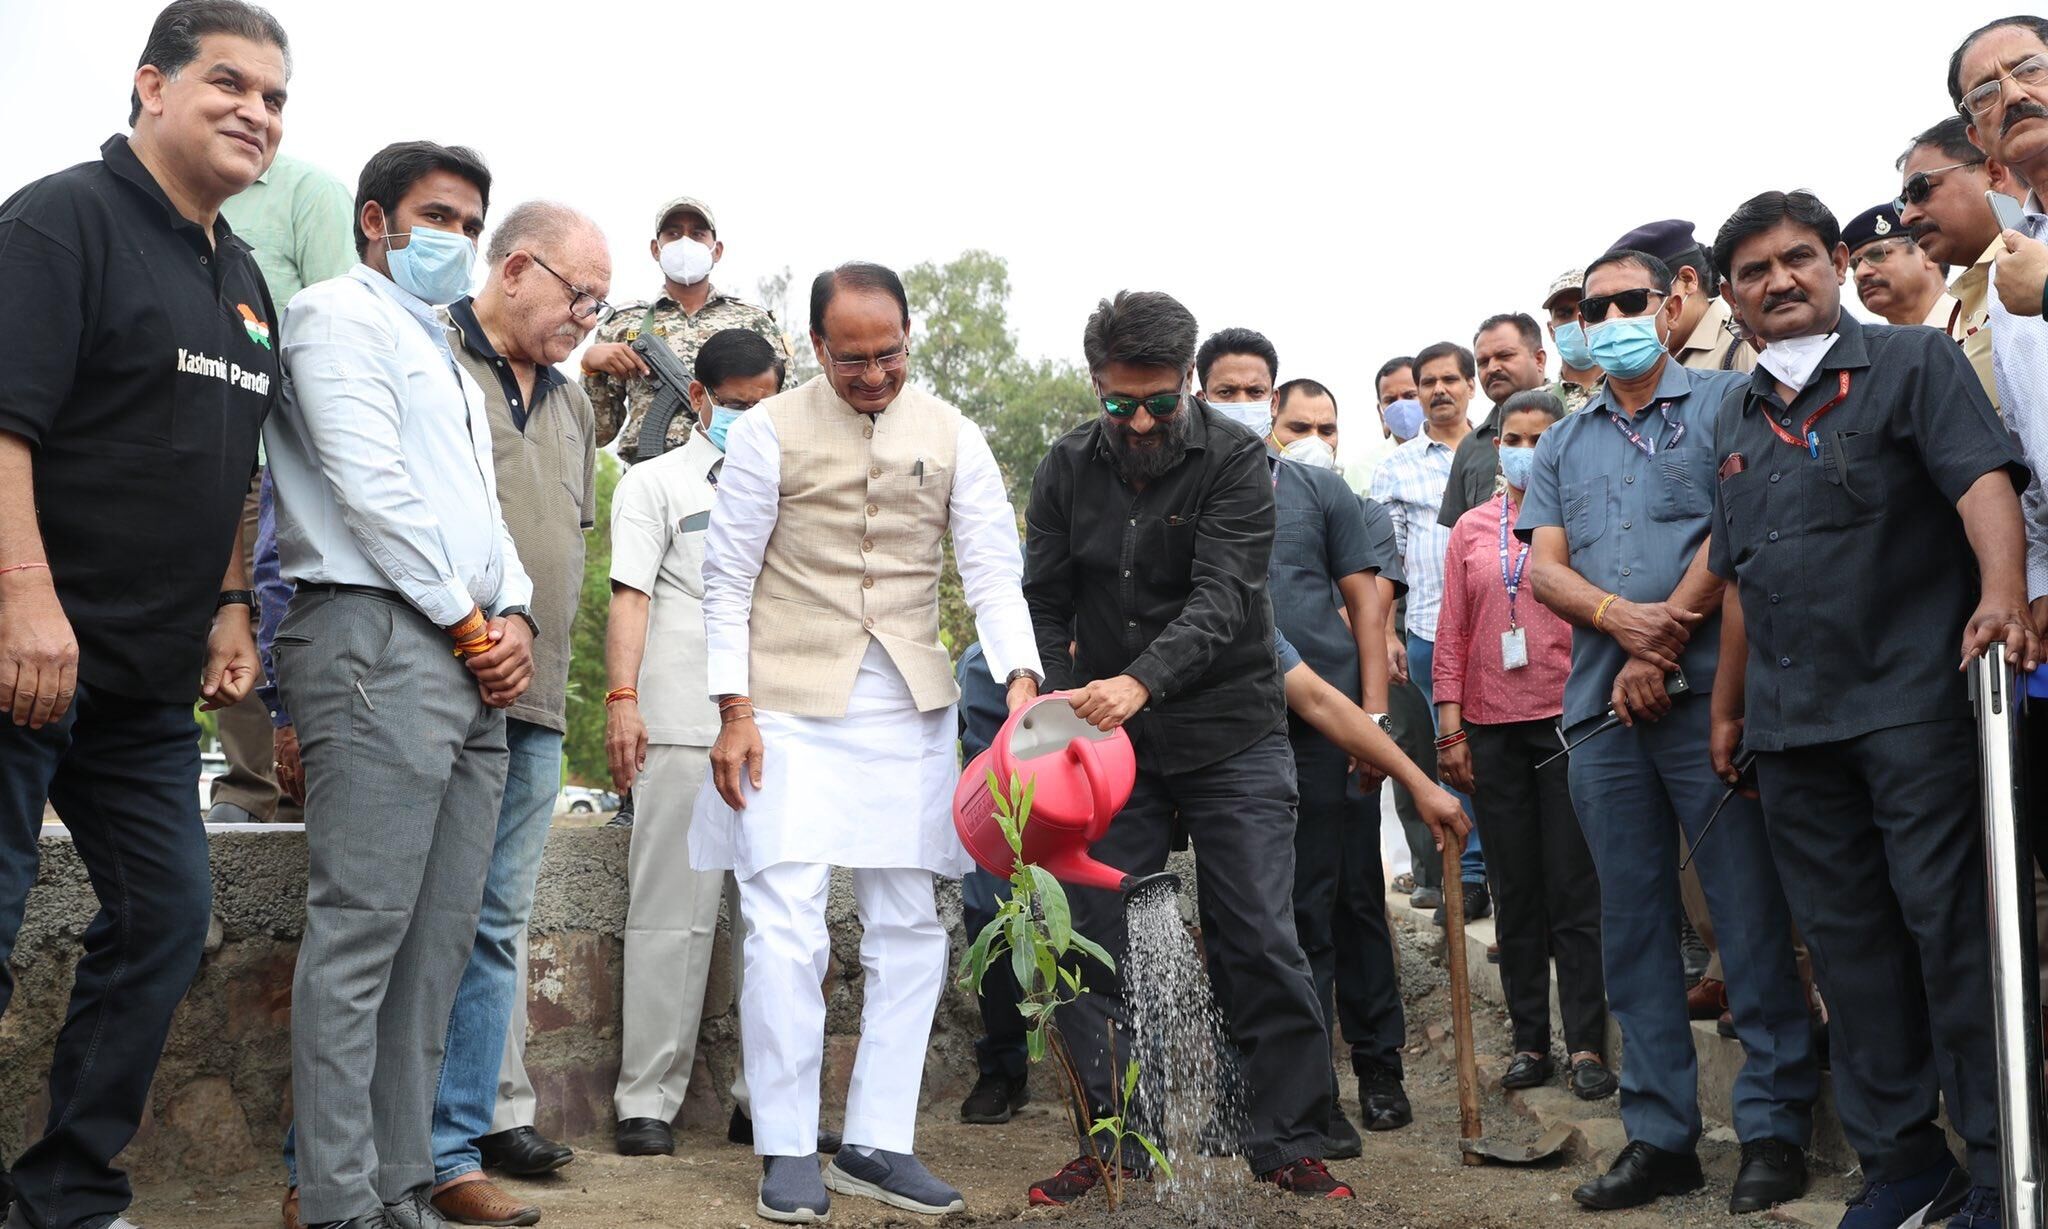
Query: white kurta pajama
871, 790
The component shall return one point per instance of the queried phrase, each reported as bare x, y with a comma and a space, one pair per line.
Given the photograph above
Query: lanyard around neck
1513, 580
1811, 442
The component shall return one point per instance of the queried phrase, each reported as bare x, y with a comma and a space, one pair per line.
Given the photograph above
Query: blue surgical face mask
435, 265
1571, 345
1403, 418
722, 420
1627, 347
1515, 464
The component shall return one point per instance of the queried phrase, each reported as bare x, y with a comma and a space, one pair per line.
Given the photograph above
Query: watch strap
236, 597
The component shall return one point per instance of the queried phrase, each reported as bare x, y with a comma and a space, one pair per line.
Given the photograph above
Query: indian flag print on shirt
258, 331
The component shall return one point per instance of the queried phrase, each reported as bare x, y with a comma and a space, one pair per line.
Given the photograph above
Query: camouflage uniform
615, 402
1575, 395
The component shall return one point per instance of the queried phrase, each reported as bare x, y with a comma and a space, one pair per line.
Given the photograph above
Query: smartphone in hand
2007, 210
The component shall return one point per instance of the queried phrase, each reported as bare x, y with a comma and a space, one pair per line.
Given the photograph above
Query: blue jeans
1635, 790
123, 774
468, 1091
1421, 660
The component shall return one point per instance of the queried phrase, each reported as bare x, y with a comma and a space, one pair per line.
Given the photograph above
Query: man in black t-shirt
140, 368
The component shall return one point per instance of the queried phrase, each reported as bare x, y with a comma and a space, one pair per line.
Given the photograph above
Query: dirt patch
1408, 1179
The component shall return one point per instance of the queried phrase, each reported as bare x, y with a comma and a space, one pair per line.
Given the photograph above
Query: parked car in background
582, 800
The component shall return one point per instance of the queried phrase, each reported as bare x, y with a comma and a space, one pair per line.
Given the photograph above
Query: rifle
671, 391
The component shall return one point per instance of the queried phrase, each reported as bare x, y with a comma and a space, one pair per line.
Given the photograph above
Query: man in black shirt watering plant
1149, 532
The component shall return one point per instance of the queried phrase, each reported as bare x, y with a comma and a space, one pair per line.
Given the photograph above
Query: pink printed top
1470, 668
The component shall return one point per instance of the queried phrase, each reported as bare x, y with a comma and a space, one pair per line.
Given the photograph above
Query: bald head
550, 272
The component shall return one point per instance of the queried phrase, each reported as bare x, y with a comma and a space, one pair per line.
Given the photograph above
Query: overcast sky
1353, 182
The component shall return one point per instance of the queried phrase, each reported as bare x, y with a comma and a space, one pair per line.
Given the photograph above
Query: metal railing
2015, 968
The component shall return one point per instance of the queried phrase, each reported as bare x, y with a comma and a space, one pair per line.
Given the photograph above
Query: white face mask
1312, 451
1795, 360
685, 261
1258, 415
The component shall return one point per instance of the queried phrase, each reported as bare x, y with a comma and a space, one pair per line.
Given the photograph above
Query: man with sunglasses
1941, 202
1150, 531
1705, 337
1867, 521
1894, 278
1617, 515
687, 313
836, 724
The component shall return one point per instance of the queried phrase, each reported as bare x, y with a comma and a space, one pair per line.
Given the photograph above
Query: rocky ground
1409, 1179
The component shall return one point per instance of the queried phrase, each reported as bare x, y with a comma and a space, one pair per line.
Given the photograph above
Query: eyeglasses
2028, 72
1920, 184
1158, 405
582, 304
738, 407
1593, 308
894, 360
1874, 254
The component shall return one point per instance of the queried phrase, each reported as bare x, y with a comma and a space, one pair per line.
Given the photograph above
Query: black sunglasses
1593, 308
1920, 184
1158, 405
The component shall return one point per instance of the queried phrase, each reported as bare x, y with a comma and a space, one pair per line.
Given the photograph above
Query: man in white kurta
836, 742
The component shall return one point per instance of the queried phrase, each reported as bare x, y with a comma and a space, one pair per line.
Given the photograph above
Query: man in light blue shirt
389, 527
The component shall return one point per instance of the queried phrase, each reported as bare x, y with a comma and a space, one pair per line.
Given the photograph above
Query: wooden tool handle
1461, 1003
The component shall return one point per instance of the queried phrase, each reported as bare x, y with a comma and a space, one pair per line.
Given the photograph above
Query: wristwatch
1025, 672
531, 626
236, 597
1383, 721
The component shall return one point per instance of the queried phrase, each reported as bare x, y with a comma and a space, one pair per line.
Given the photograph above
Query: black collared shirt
546, 377
1167, 585
1856, 576
141, 363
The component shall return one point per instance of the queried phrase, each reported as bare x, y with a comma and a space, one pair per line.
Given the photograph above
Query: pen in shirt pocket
919, 471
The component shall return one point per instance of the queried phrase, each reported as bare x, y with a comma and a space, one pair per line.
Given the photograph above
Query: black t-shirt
141, 362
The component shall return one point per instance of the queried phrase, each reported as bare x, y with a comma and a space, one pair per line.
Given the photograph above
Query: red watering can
1080, 776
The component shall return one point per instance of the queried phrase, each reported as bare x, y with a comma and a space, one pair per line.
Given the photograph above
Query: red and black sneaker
1308, 1178
1075, 1179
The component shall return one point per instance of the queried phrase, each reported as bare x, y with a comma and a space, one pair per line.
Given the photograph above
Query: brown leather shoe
1707, 1000
291, 1209
482, 1203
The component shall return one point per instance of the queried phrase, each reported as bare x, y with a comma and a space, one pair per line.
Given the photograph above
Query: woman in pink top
1501, 662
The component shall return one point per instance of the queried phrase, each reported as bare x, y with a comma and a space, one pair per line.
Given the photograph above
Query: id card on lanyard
1514, 642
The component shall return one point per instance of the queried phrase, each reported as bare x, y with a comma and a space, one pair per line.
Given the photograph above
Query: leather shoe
482, 1203
740, 1130
1341, 1141
644, 1137
1640, 1174
1772, 1172
291, 1209
1708, 999
523, 1152
1592, 1080
1527, 1071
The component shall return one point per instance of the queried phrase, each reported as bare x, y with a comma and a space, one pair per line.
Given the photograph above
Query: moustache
2026, 108
1920, 230
1437, 401
1869, 284
1774, 301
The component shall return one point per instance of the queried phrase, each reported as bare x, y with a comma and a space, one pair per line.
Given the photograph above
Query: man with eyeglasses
1617, 513
1998, 79
836, 724
687, 312
1894, 278
1941, 201
660, 724
1863, 485
1706, 337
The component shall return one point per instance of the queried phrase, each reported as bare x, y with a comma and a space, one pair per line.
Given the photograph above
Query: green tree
963, 350
583, 746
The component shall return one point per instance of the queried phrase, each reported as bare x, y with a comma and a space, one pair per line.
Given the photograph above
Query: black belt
382, 595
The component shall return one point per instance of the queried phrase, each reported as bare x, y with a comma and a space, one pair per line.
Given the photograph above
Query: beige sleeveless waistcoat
856, 550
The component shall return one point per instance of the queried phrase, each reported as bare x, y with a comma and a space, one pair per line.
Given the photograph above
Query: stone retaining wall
223, 1092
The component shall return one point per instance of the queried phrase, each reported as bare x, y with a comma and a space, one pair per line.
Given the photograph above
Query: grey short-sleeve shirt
1320, 534
1633, 521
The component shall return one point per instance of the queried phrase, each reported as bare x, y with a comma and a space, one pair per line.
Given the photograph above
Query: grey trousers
405, 767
